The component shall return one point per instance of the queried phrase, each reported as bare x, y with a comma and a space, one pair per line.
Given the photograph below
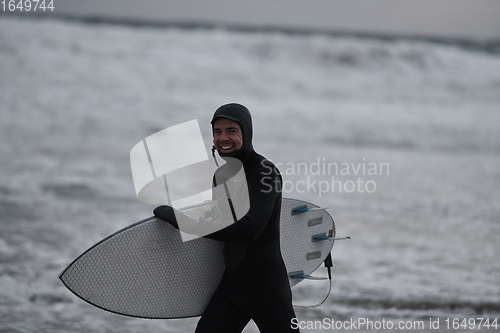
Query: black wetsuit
255, 283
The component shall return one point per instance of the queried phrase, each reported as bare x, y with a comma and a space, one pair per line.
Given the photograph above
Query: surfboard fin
328, 264
301, 275
330, 238
303, 209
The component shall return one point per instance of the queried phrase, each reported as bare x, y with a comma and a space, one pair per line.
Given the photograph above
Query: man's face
227, 135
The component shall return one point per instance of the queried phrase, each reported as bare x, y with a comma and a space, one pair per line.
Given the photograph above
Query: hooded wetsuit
255, 282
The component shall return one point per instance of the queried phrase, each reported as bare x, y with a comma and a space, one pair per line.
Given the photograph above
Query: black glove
167, 214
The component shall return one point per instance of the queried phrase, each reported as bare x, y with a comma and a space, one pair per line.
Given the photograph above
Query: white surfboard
146, 270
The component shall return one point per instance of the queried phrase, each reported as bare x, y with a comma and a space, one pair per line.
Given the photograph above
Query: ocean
400, 137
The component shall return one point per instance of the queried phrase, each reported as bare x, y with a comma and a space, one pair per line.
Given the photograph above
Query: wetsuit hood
241, 115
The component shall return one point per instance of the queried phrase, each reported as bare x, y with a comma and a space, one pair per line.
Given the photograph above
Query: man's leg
222, 316
275, 317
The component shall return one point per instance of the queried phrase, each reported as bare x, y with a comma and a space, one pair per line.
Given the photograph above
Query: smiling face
227, 135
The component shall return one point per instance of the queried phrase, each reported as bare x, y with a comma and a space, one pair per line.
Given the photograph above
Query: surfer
255, 282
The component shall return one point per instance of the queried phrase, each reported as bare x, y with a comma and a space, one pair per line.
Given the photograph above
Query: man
255, 283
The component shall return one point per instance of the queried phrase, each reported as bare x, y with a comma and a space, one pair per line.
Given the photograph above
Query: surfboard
146, 270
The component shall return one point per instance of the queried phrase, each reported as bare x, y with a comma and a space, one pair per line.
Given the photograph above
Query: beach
400, 137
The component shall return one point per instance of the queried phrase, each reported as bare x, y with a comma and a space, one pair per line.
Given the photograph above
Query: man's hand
166, 213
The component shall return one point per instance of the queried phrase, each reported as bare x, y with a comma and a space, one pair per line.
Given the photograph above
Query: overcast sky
478, 19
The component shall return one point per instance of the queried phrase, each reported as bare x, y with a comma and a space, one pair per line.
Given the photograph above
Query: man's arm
263, 189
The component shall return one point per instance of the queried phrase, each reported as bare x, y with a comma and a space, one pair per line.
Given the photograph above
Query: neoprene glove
166, 213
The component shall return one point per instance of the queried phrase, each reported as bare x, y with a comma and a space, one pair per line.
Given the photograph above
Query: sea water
401, 138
